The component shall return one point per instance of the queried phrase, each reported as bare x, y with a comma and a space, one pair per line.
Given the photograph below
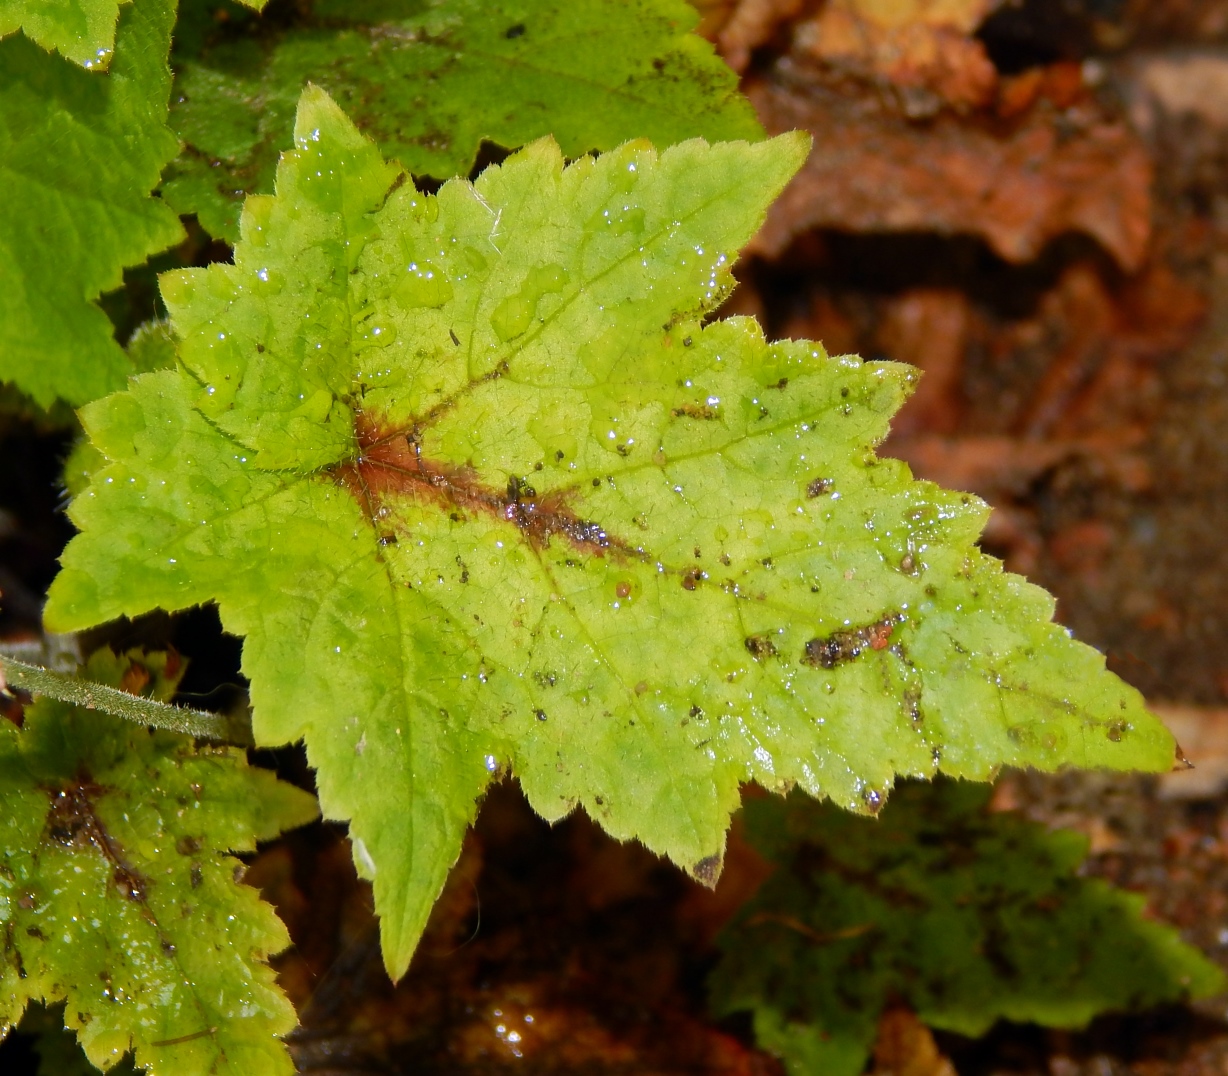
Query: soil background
1028, 200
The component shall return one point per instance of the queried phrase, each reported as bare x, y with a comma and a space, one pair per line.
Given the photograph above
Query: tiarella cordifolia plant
484, 489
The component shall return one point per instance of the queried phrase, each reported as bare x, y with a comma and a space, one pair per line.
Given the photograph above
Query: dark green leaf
964, 915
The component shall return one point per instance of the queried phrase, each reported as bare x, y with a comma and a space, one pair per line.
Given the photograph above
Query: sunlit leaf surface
481, 490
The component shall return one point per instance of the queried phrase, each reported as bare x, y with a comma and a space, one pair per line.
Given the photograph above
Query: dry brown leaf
928, 327
873, 170
750, 24
906, 1047
991, 465
922, 46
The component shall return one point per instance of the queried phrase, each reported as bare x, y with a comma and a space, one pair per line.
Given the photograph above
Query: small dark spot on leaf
260, 349
596, 482
818, 486
707, 871
696, 711
695, 410
558, 455
187, 846
686, 341
725, 559
842, 646
760, 647
540, 715
513, 32
455, 338
692, 578
844, 391
196, 876
908, 564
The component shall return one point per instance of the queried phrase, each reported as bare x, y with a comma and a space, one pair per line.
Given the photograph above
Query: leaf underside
480, 491
431, 87
965, 916
118, 895
72, 219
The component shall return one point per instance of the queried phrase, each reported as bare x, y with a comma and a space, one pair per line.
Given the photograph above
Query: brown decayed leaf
751, 23
905, 1047
873, 170
918, 46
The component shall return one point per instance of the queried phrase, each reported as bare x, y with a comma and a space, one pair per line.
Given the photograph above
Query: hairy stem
41, 681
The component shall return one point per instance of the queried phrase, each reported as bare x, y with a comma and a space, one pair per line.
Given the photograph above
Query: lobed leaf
73, 218
480, 489
430, 80
118, 896
965, 916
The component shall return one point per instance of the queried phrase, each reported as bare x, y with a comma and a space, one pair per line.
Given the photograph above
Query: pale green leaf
118, 895
963, 915
429, 81
480, 490
79, 154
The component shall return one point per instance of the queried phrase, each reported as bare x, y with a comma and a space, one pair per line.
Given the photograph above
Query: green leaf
79, 154
59, 1053
117, 894
430, 81
480, 490
966, 916
82, 31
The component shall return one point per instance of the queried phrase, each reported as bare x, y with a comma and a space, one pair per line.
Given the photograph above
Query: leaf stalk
94, 696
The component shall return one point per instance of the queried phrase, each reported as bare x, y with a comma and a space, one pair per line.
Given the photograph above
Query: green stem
93, 696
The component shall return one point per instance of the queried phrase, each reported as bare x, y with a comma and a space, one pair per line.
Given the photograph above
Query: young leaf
479, 489
966, 916
82, 31
429, 88
74, 216
117, 895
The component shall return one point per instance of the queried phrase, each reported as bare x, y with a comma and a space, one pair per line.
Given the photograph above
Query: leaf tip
707, 871
319, 117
